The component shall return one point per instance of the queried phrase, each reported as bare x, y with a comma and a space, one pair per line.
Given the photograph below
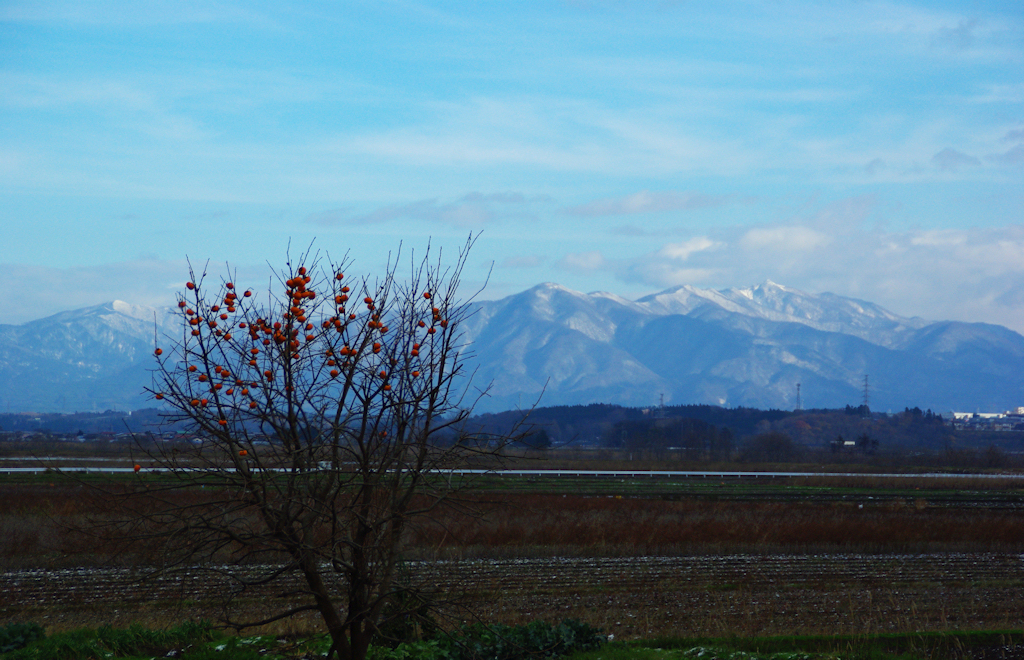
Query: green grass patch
19, 635
107, 642
537, 640
907, 646
199, 641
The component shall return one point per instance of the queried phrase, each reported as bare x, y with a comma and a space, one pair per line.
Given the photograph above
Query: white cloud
147, 14
1013, 156
473, 211
584, 261
974, 274
522, 261
957, 274
330, 217
642, 137
646, 201
959, 37
682, 251
783, 239
939, 238
1015, 135
141, 282
1000, 93
952, 160
666, 275
951, 31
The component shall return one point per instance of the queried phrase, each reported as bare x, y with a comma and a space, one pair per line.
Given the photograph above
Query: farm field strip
698, 572
637, 557
747, 594
41, 585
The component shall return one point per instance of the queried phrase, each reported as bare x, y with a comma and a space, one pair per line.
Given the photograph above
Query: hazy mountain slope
88, 359
556, 341
991, 347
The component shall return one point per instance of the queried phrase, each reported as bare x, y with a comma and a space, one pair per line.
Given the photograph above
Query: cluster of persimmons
314, 345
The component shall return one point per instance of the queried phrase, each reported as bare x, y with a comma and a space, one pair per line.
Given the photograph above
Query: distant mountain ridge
737, 347
733, 347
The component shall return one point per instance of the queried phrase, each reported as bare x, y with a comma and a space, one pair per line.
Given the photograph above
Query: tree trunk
340, 645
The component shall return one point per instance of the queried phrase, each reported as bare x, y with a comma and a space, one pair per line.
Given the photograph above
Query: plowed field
630, 597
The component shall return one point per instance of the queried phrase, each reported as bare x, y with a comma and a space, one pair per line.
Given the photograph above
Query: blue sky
871, 149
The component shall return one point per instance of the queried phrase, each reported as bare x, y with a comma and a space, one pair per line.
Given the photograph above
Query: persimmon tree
329, 415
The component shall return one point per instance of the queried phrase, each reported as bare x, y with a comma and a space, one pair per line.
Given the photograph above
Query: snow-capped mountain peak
140, 312
770, 301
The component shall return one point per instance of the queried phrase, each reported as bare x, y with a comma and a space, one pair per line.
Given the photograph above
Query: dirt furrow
735, 594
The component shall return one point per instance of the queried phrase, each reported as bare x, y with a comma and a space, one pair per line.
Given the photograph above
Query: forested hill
590, 424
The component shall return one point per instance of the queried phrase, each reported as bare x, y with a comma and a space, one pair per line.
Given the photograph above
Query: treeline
86, 423
684, 433
686, 438
713, 433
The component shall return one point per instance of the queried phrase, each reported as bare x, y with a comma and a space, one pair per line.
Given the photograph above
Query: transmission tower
798, 405
865, 391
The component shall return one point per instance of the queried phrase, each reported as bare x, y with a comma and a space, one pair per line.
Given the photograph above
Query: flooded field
630, 597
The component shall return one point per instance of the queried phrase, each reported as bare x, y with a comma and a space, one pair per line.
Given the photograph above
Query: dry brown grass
43, 525
546, 524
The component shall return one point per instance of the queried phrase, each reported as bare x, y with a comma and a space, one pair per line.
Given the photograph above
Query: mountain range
736, 347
